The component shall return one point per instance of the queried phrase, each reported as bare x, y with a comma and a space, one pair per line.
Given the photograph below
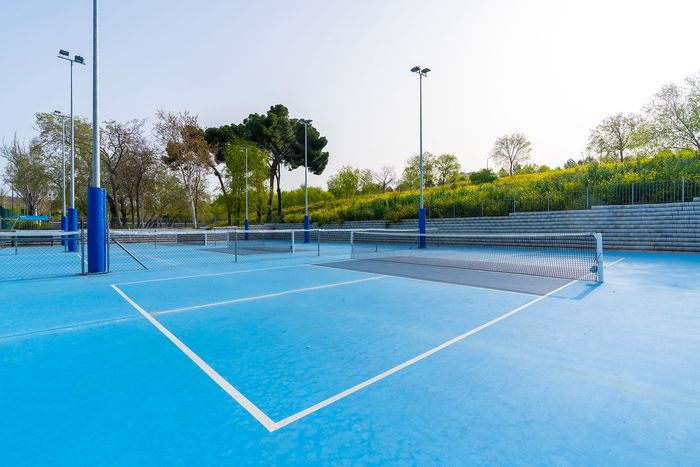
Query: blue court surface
287, 361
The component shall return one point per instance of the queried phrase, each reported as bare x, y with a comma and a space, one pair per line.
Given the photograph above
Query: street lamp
246, 224
306, 124
487, 162
72, 215
58, 113
422, 73
97, 237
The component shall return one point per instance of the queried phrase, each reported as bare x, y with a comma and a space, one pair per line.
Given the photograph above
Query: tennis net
576, 256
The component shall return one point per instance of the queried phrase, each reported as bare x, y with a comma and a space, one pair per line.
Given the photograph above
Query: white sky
550, 69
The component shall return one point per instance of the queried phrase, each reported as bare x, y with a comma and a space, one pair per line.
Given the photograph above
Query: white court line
407, 363
218, 379
271, 425
213, 274
269, 295
607, 265
80, 258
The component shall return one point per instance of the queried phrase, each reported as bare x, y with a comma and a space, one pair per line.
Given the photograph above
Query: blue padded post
421, 227
97, 229
306, 229
72, 226
246, 226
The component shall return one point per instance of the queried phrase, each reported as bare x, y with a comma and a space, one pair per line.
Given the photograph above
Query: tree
482, 176
48, 126
345, 182
617, 135
186, 153
447, 168
283, 138
219, 139
138, 175
385, 177
26, 171
235, 159
675, 115
512, 149
121, 142
411, 172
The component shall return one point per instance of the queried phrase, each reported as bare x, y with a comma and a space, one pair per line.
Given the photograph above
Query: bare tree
385, 177
617, 135
186, 153
139, 168
510, 150
675, 113
27, 173
120, 142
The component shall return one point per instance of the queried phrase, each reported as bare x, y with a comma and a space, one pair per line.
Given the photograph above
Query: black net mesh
566, 256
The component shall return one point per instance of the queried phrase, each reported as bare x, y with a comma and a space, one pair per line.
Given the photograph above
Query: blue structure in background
246, 226
421, 227
97, 229
306, 229
72, 226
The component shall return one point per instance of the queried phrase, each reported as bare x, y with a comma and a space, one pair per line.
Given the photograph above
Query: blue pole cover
421, 227
72, 226
97, 229
306, 229
246, 226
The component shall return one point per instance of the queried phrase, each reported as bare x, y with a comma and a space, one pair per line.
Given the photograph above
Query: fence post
633, 193
682, 189
548, 201
82, 250
588, 197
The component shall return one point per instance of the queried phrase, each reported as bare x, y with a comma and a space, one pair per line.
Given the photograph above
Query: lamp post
246, 223
422, 73
58, 113
72, 214
306, 180
96, 196
487, 162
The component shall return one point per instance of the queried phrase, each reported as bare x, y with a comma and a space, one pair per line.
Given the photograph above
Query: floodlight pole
246, 224
63, 168
422, 72
306, 181
96, 196
72, 213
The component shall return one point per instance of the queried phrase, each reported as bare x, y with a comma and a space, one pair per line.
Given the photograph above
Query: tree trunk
113, 186
227, 200
193, 209
273, 171
113, 209
279, 195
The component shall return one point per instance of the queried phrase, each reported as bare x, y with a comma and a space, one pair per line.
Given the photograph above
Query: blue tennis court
284, 359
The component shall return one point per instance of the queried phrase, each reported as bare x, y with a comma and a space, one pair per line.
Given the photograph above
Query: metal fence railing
681, 190
41, 254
